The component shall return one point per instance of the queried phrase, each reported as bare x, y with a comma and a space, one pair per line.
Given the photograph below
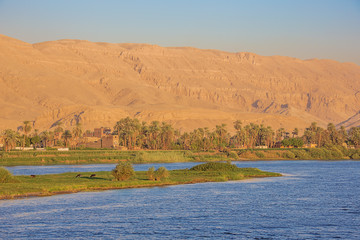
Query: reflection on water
319, 200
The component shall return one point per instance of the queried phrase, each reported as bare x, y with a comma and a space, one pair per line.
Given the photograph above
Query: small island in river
51, 184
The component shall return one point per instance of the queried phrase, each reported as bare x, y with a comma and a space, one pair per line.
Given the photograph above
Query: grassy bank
46, 185
53, 157
331, 153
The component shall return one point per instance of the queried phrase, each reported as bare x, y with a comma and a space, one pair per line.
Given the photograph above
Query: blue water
53, 169
315, 200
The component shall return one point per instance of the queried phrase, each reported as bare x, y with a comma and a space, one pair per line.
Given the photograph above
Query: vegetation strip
75, 157
46, 185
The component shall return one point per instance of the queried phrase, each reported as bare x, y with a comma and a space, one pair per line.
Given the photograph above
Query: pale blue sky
297, 28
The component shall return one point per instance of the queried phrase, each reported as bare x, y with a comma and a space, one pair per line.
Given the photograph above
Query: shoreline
99, 189
66, 183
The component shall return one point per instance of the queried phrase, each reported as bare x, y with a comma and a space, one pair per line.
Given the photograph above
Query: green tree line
156, 135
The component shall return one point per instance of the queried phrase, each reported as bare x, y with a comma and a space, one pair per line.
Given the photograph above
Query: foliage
295, 142
6, 176
233, 155
9, 139
161, 173
123, 171
259, 154
354, 154
300, 154
288, 155
215, 166
163, 156
151, 173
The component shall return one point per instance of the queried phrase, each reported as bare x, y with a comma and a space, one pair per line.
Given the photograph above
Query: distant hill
99, 83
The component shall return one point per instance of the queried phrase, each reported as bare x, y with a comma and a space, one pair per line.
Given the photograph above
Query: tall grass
163, 156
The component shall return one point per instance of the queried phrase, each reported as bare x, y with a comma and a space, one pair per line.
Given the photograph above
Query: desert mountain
99, 83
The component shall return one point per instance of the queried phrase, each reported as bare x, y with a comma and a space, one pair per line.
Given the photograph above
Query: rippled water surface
316, 200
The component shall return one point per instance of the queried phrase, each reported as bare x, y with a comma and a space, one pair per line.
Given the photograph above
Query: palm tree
295, 132
154, 129
77, 133
27, 127
221, 136
46, 137
354, 135
67, 137
9, 138
252, 133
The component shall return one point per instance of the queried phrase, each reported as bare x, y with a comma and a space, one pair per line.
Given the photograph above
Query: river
315, 200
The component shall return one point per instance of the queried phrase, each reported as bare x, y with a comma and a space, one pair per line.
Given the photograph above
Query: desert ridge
99, 83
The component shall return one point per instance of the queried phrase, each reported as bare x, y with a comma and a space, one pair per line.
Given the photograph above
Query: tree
166, 135
67, 137
77, 133
280, 133
343, 134
123, 171
294, 142
161, 173
9, 138
221, 136
252, 131
35, 140
46, 136
354, 135
27, 127
295, 132
128, 130
154, 129
151, 173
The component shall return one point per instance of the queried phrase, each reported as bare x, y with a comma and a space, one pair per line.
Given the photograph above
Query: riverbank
47, 185
76, 157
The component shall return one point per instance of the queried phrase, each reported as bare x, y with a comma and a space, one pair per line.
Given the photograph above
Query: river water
315, 200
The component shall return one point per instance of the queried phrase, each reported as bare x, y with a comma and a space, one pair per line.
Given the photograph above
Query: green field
46, 185
54, 157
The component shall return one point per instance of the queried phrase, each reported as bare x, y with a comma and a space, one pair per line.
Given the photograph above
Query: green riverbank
47, 185
74, 157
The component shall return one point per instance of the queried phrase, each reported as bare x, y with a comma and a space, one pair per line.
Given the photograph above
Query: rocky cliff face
98, 83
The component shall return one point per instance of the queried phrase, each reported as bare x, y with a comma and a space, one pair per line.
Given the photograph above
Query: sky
305, 29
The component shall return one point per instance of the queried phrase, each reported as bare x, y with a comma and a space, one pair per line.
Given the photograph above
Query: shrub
355, 156
151, 173
215, 166
123, 171
317, 153
161, 173
139, 157
289, 155
6, 176
233, 155
300, 154
333, 151
259, 154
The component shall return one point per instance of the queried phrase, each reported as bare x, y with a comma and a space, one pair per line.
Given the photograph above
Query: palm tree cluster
134, 134
24, 137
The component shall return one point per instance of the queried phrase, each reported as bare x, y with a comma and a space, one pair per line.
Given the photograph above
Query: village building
101, 138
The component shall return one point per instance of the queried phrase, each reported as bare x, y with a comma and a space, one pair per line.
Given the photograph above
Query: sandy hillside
99, 83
